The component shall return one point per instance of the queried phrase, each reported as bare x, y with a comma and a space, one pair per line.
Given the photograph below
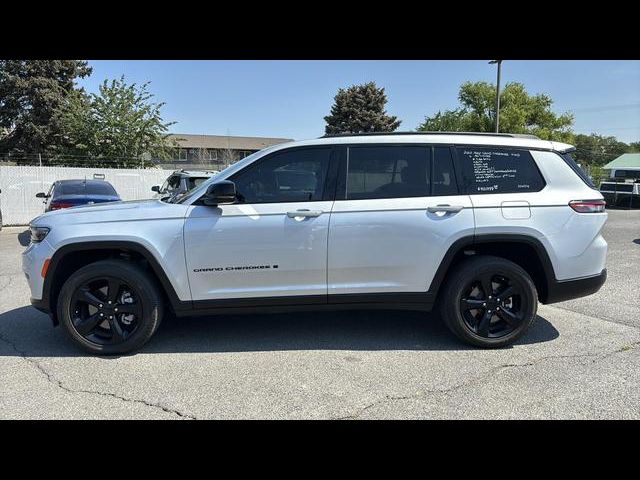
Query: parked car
622, 192
181, 182
72, 193
481, 227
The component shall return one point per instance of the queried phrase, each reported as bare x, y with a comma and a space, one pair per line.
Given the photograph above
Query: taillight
588, 206
59, 205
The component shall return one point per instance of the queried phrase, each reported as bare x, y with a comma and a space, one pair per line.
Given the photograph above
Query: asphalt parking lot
580, 360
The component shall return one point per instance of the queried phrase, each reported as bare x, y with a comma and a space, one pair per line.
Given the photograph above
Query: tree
598, 150
31, 93
520, 112
360, 108
121, 123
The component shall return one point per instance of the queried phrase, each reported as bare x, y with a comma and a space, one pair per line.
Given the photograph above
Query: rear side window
498, 170
388, 172
443, 179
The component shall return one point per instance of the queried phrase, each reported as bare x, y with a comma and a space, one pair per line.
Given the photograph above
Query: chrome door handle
445, 208
304, 213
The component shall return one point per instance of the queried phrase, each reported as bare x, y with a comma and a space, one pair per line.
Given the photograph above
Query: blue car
71, 193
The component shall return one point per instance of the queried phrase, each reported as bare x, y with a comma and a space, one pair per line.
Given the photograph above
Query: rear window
577, 169
81, 188
498, 170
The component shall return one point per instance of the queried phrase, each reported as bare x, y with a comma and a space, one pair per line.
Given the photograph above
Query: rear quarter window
578, 170
498, 170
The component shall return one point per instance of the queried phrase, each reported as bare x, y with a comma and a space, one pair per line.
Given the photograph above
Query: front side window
296, 175
388, 172
498, 170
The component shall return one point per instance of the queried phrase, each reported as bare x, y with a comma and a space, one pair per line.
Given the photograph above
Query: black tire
114, 333
483, 320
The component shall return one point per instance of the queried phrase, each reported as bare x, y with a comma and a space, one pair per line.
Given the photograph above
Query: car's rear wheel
110, 307
489, 301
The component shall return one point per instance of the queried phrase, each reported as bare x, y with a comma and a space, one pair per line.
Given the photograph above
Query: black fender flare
471, 241
47, 302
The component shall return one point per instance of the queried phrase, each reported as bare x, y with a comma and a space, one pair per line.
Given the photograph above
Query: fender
471, 241
47, 302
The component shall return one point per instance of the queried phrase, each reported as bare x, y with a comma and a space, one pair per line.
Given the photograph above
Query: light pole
499, 62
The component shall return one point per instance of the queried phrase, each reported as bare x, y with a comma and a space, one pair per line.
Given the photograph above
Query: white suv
483, 226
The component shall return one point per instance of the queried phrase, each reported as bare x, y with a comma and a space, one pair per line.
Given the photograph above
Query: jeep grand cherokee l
481, 227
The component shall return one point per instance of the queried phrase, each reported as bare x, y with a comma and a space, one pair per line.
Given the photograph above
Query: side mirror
155, 188
220, 192
41, 195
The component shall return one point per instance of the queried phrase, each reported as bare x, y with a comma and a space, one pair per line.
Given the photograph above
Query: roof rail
484, 134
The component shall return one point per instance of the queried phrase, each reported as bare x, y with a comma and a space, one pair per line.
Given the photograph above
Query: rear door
397, 211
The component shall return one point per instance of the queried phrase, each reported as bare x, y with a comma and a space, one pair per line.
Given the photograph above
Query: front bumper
559, 291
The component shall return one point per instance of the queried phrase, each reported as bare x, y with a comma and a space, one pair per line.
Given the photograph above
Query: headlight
38, 234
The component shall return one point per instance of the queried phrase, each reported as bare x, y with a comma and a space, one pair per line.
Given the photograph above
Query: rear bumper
559, 291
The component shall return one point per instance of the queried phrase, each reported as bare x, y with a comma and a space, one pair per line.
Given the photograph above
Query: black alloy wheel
492, 306
105, 311
488, 301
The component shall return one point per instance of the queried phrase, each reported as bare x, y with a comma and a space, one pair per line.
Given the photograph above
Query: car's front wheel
488, 301
110, 307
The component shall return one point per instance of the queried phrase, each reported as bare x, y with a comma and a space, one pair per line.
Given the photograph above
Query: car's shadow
31, 333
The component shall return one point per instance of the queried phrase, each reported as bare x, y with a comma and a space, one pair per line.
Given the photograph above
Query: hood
113, 212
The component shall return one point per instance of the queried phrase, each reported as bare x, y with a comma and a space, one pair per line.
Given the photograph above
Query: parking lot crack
51, 379
487, 376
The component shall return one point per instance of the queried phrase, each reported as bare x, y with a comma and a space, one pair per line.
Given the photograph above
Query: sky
290, 98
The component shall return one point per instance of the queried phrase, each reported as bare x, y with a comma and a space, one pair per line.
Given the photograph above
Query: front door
273, 241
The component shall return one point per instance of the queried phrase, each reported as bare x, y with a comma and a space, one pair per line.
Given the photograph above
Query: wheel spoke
483, 324
113, 289
86, 325
116, 330
486, 284
87, 297
470, 303
508, 316
506, 293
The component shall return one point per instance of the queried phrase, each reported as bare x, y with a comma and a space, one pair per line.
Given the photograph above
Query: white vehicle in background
181, 182
480, 226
